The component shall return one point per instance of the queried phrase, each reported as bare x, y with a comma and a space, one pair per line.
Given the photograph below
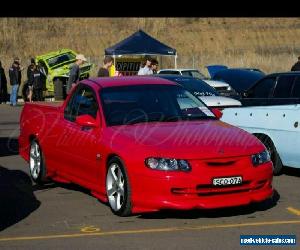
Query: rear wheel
277, 163
37, 166
117, 188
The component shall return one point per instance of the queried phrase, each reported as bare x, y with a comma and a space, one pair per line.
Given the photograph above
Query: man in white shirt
147, 69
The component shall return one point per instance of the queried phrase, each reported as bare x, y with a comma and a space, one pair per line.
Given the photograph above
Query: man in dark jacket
36, 81
15, 76
3, 85
74, 72
296, 66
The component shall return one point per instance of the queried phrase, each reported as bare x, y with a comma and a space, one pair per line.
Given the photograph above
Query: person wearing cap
15, 76
296, 66
146, 69
74, 72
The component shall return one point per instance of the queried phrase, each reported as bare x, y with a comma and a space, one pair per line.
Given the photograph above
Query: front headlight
260, 158
167, 164
229, 88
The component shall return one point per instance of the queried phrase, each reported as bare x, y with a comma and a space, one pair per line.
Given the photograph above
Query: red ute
144, 144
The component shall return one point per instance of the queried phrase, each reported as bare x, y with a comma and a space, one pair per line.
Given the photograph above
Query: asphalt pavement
66, 216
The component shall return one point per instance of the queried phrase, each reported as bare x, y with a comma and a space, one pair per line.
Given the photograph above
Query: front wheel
117, 188
37, 167
277, 163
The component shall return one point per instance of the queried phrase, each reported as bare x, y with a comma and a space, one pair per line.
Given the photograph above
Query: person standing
296, 66
154, 65
43, 78
104, 70
35, 80
74, 72
147, 69
15, 76
29, 72
3, 85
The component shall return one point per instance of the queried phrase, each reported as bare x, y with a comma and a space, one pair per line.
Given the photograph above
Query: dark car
274, 89
239, 79
202, 91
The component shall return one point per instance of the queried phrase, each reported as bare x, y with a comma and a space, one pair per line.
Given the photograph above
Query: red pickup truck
144, 144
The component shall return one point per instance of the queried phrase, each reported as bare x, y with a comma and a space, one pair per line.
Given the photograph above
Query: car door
79, 147
282, 91
260, 93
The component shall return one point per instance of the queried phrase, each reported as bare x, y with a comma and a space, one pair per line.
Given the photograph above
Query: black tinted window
263, 89
296, 88
284, 86
83, 102
172, 72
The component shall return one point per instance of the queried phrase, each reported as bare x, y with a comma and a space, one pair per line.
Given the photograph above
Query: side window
284, 86
186, 73
83, 102
296, 88
264, 88
171, 72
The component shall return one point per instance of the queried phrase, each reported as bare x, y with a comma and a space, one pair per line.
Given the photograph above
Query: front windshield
151, 103
193, 73
60, 59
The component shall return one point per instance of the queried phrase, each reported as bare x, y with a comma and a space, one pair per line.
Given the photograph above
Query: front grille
211, 190
246, 186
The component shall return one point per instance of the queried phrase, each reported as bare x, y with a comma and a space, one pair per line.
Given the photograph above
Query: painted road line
151, 230
293, 210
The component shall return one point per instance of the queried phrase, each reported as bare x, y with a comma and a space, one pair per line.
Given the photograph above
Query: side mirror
217, 112
86, 121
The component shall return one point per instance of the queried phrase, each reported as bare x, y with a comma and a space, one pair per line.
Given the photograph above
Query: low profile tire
277, 163
37, 166
117, 188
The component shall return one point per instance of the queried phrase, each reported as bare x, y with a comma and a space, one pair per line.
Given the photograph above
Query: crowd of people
36, 80
36, 77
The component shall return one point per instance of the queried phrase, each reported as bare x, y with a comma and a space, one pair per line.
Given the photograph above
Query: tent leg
176, 61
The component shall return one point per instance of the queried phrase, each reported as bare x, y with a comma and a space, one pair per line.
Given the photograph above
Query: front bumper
186, 192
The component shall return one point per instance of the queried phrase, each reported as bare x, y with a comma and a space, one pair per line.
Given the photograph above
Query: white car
222, 87
202, 91
276, 126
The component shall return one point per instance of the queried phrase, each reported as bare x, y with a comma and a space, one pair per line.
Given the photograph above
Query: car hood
219, 101
216, 84
204, 139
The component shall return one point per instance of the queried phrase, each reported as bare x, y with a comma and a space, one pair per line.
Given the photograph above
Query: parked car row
248, 85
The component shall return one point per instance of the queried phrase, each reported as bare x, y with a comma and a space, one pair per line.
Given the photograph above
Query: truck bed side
36, 121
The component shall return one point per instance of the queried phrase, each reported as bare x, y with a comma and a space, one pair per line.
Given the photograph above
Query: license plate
236, 180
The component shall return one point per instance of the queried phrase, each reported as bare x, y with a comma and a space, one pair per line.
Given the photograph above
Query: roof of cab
105, 82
